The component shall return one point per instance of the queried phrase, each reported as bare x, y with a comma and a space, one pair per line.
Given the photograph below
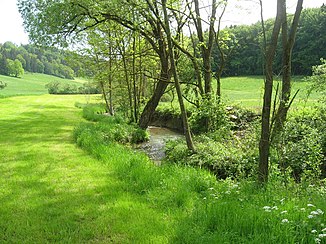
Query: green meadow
53, 191
30, 84
248, 91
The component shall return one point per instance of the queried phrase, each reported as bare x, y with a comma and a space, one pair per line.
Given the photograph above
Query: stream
154, 148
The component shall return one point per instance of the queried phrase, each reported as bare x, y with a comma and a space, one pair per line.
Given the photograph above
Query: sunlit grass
31, 84
248, 91
52, 191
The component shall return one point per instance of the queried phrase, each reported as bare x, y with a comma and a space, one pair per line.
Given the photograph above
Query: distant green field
248, 91
244, 91
30, 84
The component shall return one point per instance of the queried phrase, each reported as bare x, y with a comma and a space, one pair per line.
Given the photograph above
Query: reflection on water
155, 146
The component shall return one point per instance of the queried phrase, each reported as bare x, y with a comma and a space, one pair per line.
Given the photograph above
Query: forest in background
243, 55
40, 59
246, 50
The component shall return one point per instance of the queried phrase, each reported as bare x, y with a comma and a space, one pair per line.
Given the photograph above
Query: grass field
248, 91
51, 191
31, 84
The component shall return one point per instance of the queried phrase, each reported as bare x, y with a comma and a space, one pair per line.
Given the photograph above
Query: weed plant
201, 209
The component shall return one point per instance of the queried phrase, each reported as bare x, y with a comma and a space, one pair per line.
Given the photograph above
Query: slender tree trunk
222, 55
107, 104
206, 48
176, 80
264, 144
110, 81
125, 68
287, 43
134, 79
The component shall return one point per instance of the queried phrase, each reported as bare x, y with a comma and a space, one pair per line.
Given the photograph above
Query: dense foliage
299, 154
247, 56
57, 87
47, 60
108, 129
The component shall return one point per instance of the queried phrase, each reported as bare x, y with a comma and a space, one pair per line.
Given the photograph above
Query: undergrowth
205, 210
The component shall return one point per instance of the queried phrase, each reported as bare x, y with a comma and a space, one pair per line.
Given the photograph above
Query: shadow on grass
53, 192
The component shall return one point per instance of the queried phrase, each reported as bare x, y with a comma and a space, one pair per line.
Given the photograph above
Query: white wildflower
317, 240
322, 235
310, 216
314, 213
323, 230
303, 209
314, 231
310, 205
285, 221
275, 208
320, 211
267, 208
284, 212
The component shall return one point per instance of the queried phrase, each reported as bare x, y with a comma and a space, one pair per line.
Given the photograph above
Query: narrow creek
154, 148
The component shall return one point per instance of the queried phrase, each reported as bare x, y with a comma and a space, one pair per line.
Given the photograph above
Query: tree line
14, 60
246, 41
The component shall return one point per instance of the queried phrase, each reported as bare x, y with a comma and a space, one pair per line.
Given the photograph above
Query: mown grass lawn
248, 91
31, 84
52, 191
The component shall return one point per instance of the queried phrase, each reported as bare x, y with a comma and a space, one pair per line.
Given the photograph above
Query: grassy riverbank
53, 191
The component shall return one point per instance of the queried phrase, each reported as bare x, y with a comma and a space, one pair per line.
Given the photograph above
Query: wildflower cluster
314, 214
313, 219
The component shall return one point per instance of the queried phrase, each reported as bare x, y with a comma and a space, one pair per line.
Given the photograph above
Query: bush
232, 158
209, 117
94, 112
108, 128
57, 87
241, 118
302, 147
2, 85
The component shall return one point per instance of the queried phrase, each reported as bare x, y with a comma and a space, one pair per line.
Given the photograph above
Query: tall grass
204, 210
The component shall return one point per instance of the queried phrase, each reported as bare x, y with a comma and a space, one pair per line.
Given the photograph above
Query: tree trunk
186, 127
110, 82
160, 88
287, 43
264, 144
206, 48
134, 78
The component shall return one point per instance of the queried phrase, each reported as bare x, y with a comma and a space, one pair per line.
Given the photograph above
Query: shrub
94, 112
301, 148
57, 87
209, 117
2, 85
108, 128
229, 158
